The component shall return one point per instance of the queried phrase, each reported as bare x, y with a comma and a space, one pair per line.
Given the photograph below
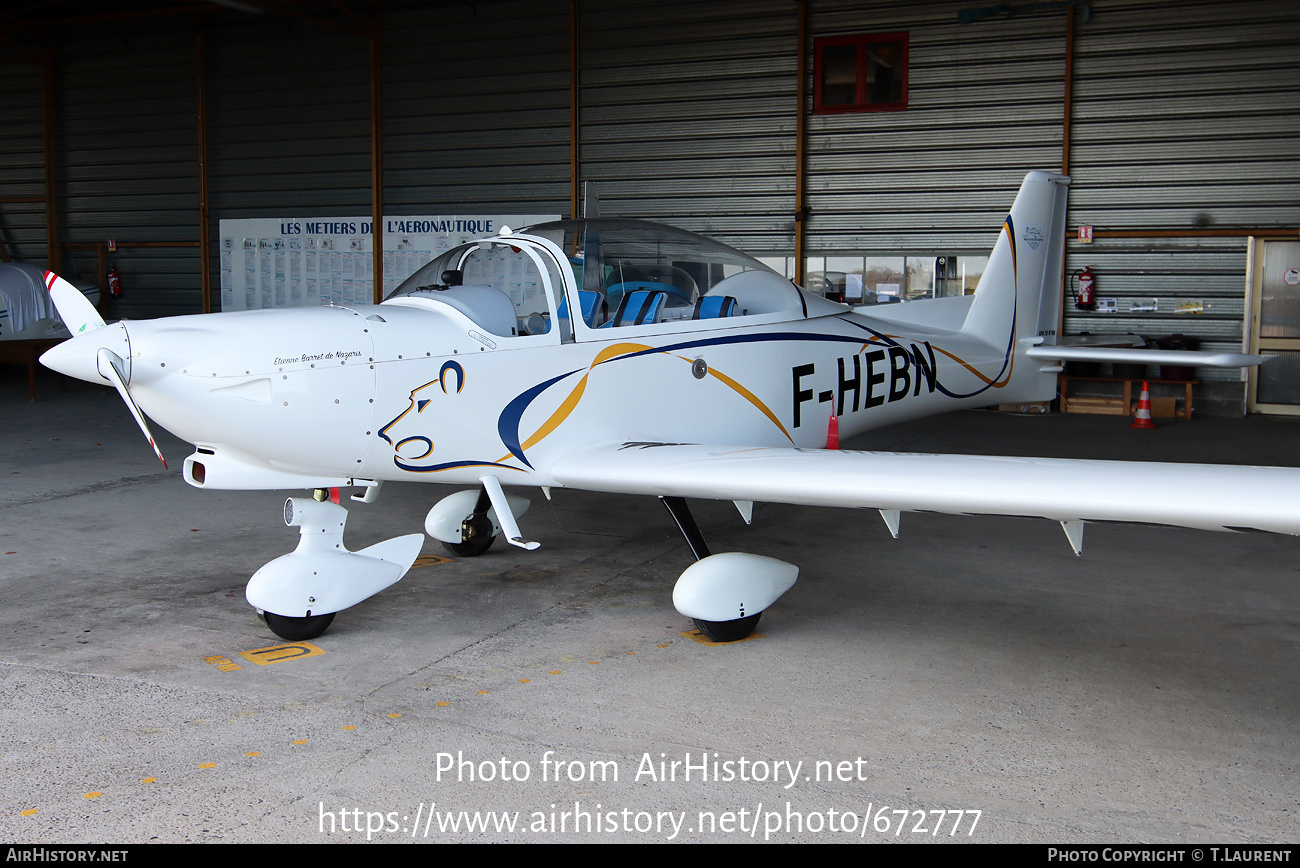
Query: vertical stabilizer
1022, 283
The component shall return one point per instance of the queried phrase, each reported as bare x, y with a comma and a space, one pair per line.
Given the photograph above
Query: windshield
615, 257
485, 279
625, 273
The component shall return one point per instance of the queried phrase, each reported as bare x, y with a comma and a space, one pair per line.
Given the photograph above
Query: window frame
860, 103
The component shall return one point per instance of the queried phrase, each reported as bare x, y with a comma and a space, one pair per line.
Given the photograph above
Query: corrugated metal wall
288, 119
984, 107
22, 224
1185, 115
688, 115
476, 108
1186, 118
127, 155
288, 122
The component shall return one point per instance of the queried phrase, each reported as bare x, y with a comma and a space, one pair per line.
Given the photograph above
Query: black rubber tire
728, 631
470, 549
298, 629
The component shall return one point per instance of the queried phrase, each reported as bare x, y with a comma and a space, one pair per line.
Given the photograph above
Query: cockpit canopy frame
616, 273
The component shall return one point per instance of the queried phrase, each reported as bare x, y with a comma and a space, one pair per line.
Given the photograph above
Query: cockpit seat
592, 302
641, 307
714, 307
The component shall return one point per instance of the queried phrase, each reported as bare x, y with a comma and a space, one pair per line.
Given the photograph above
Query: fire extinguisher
1086, 296
114, 283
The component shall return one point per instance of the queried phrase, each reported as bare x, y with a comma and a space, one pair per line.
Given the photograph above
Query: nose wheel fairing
321, 576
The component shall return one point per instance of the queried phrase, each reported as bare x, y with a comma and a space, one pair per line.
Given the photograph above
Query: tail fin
1023, 277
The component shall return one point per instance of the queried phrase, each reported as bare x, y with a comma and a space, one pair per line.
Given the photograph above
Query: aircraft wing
1212, 497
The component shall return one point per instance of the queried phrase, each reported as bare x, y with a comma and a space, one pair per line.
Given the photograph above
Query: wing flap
1211, 497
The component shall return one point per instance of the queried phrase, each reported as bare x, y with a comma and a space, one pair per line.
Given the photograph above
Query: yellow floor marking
29, 811
299, 741
253, 753
482, 693
594, 662
148, 780
349, 728
281, 653
697, 636
93, 795
207, 765
556, 672
441, 703
395, 715
225, 664
429, 561
524, 680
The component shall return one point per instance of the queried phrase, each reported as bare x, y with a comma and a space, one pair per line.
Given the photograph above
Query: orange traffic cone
1142, 419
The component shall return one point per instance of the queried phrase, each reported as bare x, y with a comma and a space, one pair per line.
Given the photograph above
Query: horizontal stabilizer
1139, 356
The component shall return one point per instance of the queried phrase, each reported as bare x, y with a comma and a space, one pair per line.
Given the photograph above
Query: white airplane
620, 356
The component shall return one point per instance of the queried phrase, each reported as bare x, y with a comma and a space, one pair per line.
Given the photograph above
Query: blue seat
677, 296
641, 307
714, 307
590, 301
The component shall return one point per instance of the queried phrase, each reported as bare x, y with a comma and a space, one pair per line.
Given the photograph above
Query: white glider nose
79, 356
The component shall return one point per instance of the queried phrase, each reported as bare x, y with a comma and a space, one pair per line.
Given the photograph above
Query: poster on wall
305, 261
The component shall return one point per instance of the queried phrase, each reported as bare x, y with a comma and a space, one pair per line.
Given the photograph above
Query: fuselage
400, 393
482, 369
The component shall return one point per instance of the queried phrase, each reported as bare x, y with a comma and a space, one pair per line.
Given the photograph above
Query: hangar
835, 140
150, 123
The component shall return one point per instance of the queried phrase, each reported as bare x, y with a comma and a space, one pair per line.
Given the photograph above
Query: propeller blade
76, 311
111, 366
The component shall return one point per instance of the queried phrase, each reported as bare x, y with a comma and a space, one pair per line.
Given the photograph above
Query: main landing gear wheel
298, 629
728, 631
470, 548
476, 534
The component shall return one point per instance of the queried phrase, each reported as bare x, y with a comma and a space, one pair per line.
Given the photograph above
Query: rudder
1024, 270
1019, 295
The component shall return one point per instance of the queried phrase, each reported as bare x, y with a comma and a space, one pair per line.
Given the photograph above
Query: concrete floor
1145, 692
